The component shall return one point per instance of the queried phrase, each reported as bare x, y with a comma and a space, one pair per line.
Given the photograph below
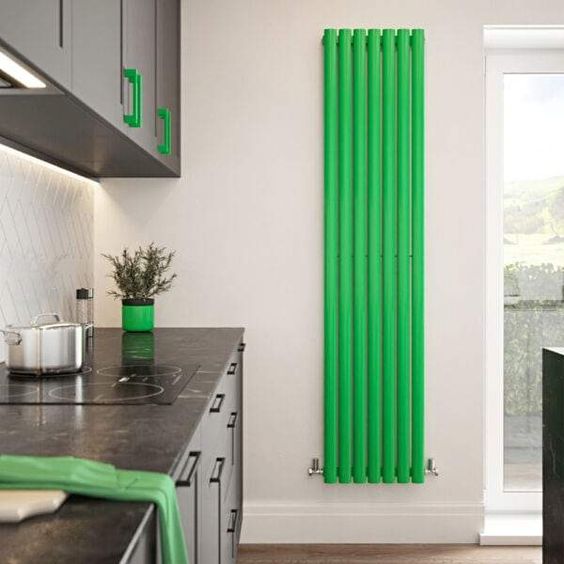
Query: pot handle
51, 316
11, 337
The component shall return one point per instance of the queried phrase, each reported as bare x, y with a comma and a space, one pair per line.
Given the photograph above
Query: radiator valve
314, 468
432, 467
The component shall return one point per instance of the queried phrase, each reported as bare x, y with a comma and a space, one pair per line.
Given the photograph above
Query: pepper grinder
85, 310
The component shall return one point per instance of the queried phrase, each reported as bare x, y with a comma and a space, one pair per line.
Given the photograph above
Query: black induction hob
126, 385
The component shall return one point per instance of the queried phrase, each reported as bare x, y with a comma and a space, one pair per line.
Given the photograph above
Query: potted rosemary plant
139, 277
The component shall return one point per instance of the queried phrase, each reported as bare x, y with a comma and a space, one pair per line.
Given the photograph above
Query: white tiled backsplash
46, 239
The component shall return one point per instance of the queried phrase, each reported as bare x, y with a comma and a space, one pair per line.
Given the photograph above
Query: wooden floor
386, 554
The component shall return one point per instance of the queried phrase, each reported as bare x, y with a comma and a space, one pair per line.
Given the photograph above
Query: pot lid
59, 324
44, 321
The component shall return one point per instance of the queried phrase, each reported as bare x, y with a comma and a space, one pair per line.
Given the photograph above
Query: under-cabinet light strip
20, 74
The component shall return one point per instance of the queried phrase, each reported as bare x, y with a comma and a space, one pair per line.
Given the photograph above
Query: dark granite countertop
553, 454
140, 437
557, 350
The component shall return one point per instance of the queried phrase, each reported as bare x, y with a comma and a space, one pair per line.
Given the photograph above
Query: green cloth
97, 479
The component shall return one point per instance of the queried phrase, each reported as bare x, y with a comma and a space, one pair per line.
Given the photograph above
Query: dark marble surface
553, 455
140, 437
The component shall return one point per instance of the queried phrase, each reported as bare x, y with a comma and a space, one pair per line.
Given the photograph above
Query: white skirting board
512, 530
362, 523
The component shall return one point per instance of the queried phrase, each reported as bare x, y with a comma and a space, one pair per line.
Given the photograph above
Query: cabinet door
96, 57
40, 31
168, 80
139, 54
227, 541
146, 550
212, 514
236, 458
238, 441
188, 491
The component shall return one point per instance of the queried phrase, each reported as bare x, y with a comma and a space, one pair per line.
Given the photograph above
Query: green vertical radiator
374, 247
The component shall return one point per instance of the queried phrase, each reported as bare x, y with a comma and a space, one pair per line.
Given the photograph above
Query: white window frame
498, 63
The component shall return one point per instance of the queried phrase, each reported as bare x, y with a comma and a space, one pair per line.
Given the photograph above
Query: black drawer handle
242, 347
217, 403
232, 369
232, 421
233, 521
217, 470
194, 459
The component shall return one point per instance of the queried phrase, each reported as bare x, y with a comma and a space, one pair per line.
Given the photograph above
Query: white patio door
525, 264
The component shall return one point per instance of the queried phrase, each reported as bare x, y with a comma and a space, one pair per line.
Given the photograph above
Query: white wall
246, 220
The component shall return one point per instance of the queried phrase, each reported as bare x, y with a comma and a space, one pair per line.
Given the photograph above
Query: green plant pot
138, 315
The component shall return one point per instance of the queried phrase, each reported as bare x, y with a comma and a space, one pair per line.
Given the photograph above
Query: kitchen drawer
215, 432
221, 448
214, 425
226, 449
230, 385
231, 376
234, 371
235, 376
231, 519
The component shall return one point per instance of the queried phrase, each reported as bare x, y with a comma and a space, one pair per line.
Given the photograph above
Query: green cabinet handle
165, 147
135, 78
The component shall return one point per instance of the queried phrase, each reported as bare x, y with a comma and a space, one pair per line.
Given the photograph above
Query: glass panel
533, 205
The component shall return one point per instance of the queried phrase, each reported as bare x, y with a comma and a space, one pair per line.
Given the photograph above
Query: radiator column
346, 258
418, 220
374, 109
331, 256
360, 250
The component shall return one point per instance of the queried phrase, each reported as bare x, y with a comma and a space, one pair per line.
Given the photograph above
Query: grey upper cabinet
139, 52
97, 57
40, 32
168, 81
112, 69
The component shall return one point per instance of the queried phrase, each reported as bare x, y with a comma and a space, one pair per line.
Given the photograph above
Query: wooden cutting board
17, 505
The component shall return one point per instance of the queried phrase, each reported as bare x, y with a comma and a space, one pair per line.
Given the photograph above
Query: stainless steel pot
47, 346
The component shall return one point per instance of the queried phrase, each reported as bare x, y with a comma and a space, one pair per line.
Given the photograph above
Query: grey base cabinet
221, 510
209, 486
